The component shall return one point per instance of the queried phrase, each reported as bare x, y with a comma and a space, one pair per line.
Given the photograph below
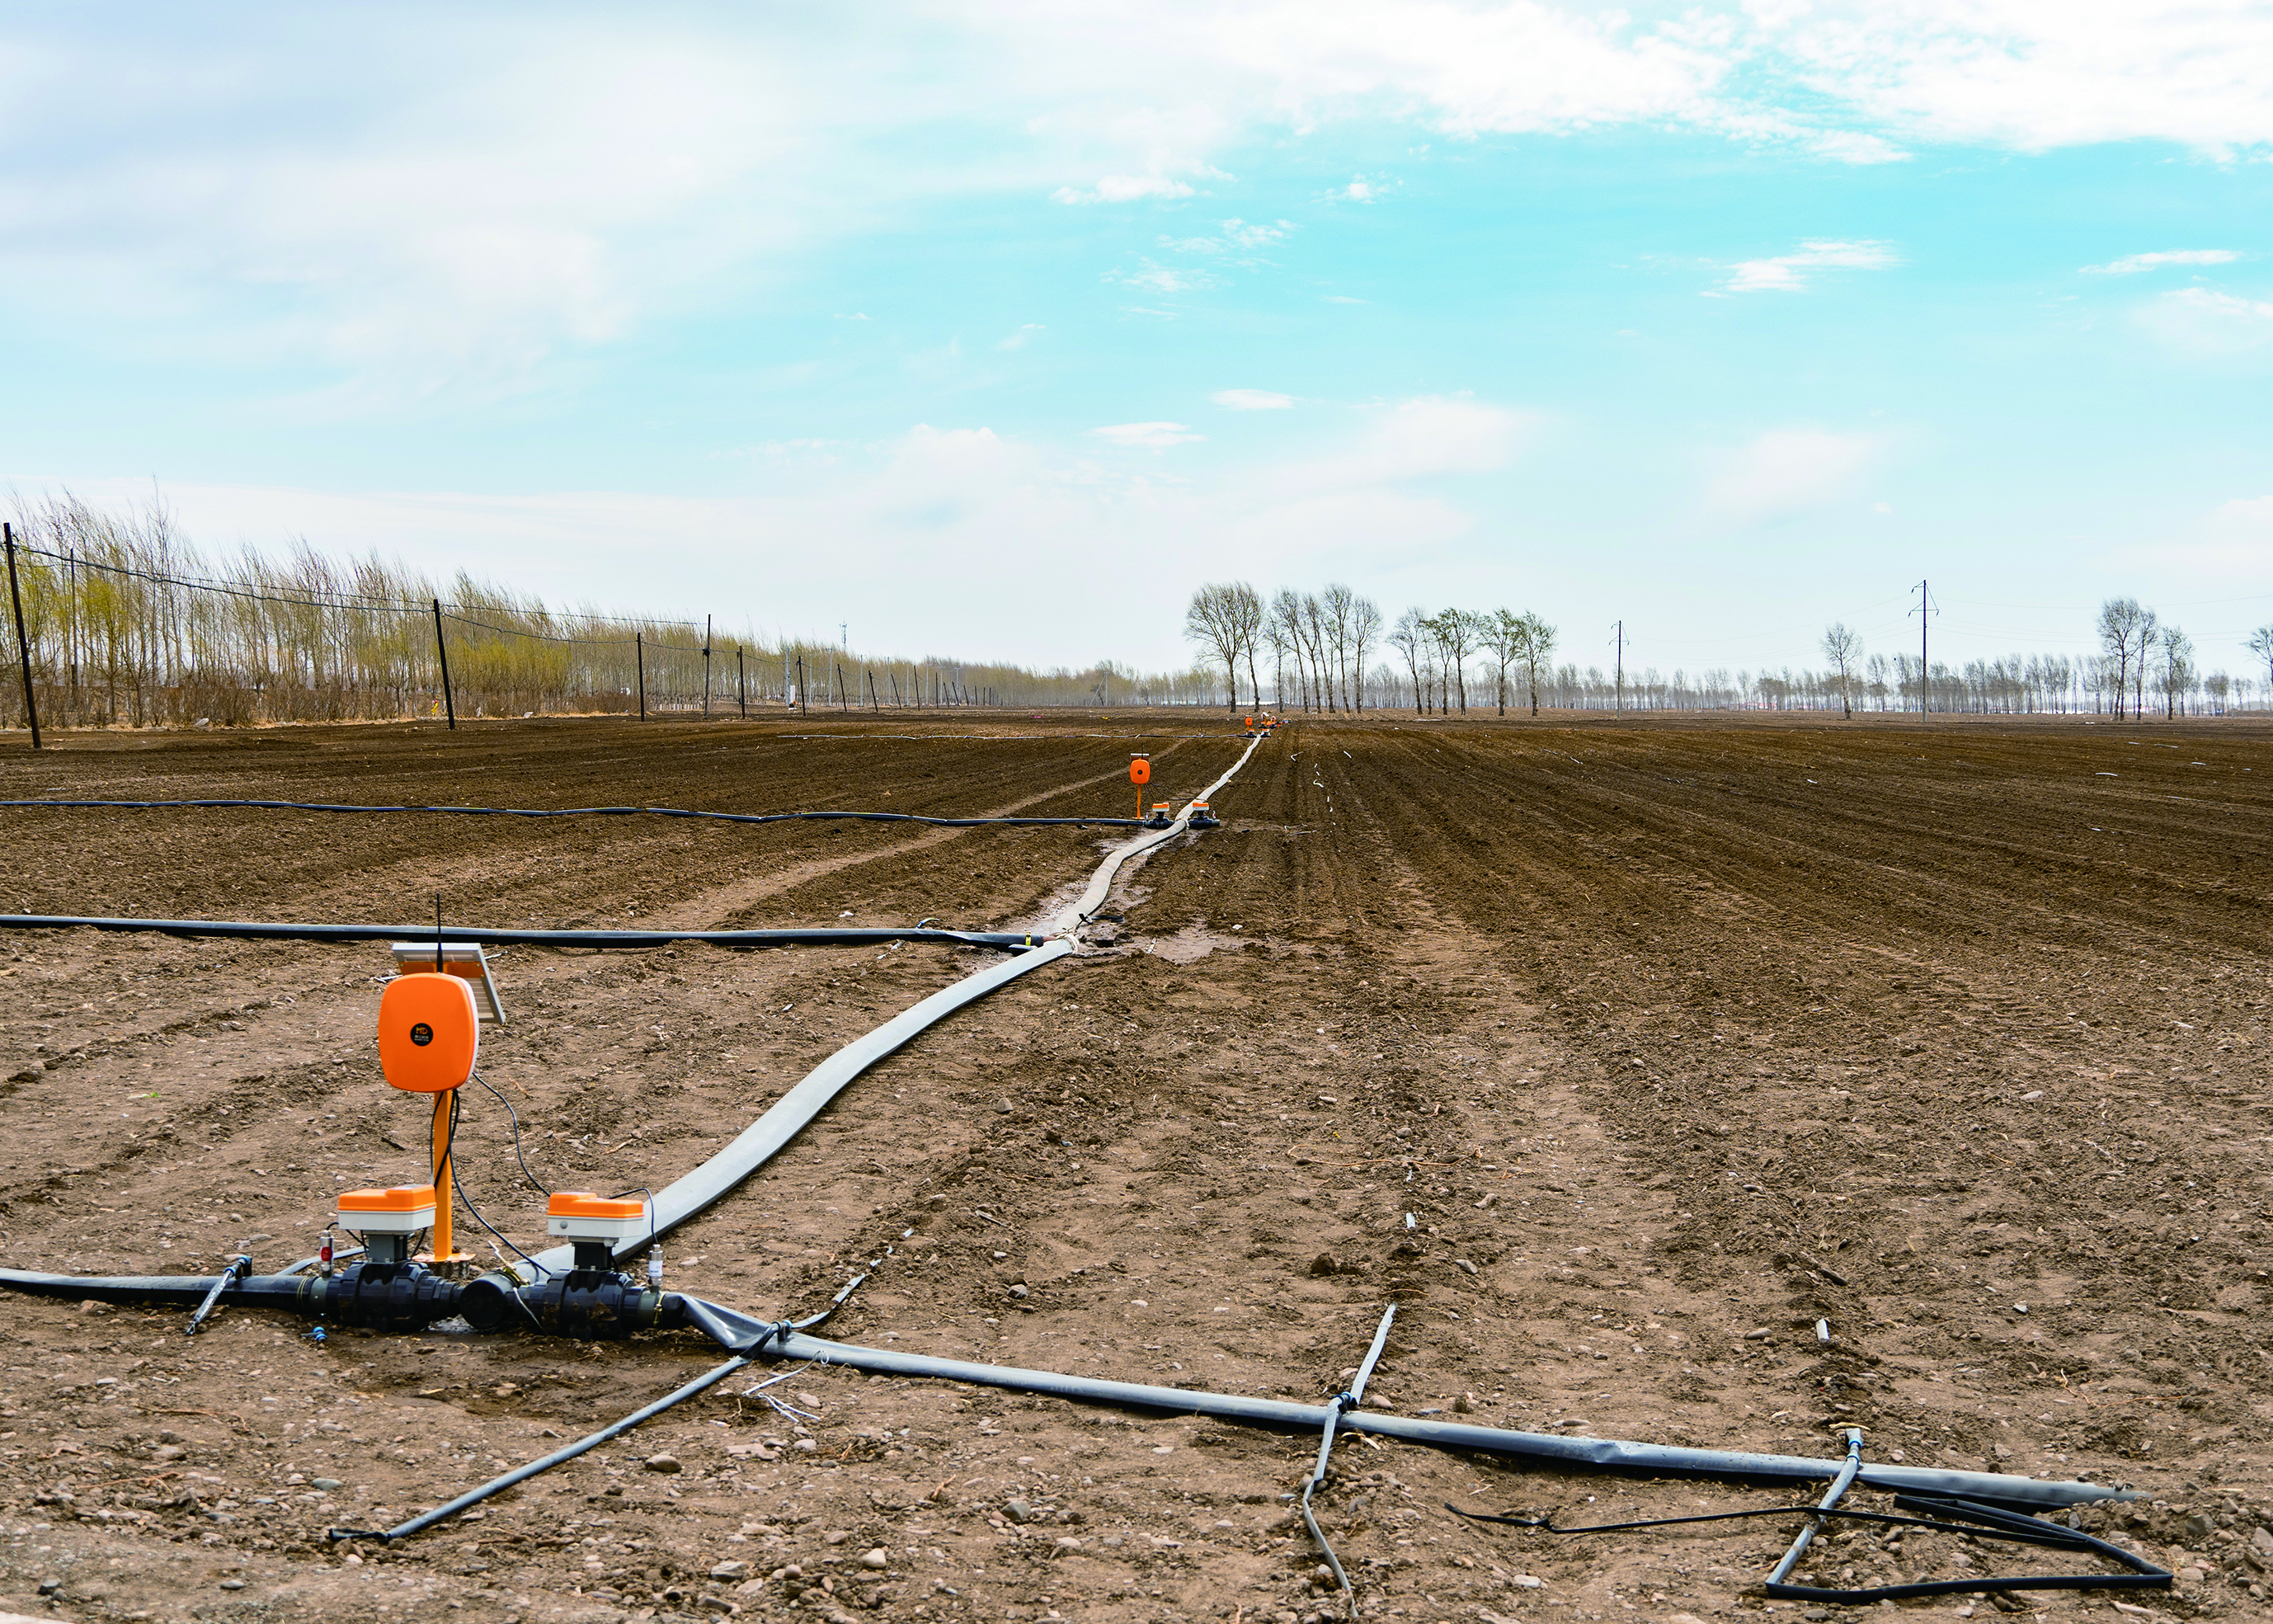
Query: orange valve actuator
1140, 770
429, 1033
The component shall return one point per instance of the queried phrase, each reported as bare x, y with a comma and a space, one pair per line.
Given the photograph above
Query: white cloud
1023, 336
1424, 437
1787, 471
447, 221
1236, 234
2206, 321
1123, 189
2031, 75
1149, 436
1252, 400
1789, 273
1167, 278
2131, 265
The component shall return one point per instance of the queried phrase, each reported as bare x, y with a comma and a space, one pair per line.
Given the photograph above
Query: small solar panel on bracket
465, 959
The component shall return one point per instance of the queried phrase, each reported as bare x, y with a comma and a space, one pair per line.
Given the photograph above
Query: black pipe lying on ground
723, 817
599, 1305
254, 931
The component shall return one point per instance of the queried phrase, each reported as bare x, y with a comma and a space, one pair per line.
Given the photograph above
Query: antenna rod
438, 933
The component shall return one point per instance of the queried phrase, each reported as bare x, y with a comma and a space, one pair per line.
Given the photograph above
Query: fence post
449, 703
639, 655
873, 706
741, 684
23, 640
706, 666
800, 684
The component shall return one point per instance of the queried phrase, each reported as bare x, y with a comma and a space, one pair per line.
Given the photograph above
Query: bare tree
1213, 620
1410, 637
1286, 616
1337, 601
1458, 630
2178, 667
1536, 650
1274, 638
1314, 630
1364, 626
2260, 644
1842, 648
1504, 637
1246, 606
2125, 629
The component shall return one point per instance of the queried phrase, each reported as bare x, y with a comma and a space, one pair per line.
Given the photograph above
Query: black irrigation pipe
257, 930
723, 817
1609, 1454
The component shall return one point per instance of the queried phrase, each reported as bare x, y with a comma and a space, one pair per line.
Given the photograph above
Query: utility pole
1924, 611
23, 641
844, 636
442, 648
1620, 665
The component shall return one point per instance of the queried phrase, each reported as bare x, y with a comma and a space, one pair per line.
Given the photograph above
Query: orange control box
429, 1033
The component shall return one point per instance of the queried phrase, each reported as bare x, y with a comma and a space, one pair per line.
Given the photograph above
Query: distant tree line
1314, 645
130, 624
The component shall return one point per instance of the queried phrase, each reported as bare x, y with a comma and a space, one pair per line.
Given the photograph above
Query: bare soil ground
1672, 1038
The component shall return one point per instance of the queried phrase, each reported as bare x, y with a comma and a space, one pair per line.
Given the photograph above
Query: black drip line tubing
258, 930
1980, 1522
722, 817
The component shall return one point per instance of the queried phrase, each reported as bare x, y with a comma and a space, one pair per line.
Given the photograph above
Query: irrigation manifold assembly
430, 1019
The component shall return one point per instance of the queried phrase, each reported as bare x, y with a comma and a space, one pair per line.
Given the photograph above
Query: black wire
650, 1194
515, 1117
449, 1143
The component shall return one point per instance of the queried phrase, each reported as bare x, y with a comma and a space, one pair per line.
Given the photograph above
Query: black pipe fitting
588, 1304
382, 1297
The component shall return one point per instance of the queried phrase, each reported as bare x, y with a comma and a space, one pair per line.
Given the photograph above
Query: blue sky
992, 329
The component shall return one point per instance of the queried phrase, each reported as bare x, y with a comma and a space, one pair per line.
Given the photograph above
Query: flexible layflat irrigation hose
757, 1144
723, 817
254, 931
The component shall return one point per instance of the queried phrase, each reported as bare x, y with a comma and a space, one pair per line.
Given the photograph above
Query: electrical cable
514, 1116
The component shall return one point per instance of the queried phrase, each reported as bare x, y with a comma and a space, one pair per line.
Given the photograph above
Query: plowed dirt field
1618, 1054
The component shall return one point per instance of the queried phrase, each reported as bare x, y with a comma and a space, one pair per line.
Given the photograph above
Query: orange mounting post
1140, 774
429, 1036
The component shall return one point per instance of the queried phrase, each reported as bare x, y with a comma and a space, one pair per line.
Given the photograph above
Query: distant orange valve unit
405, 1210
429, 1033
1140, 770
